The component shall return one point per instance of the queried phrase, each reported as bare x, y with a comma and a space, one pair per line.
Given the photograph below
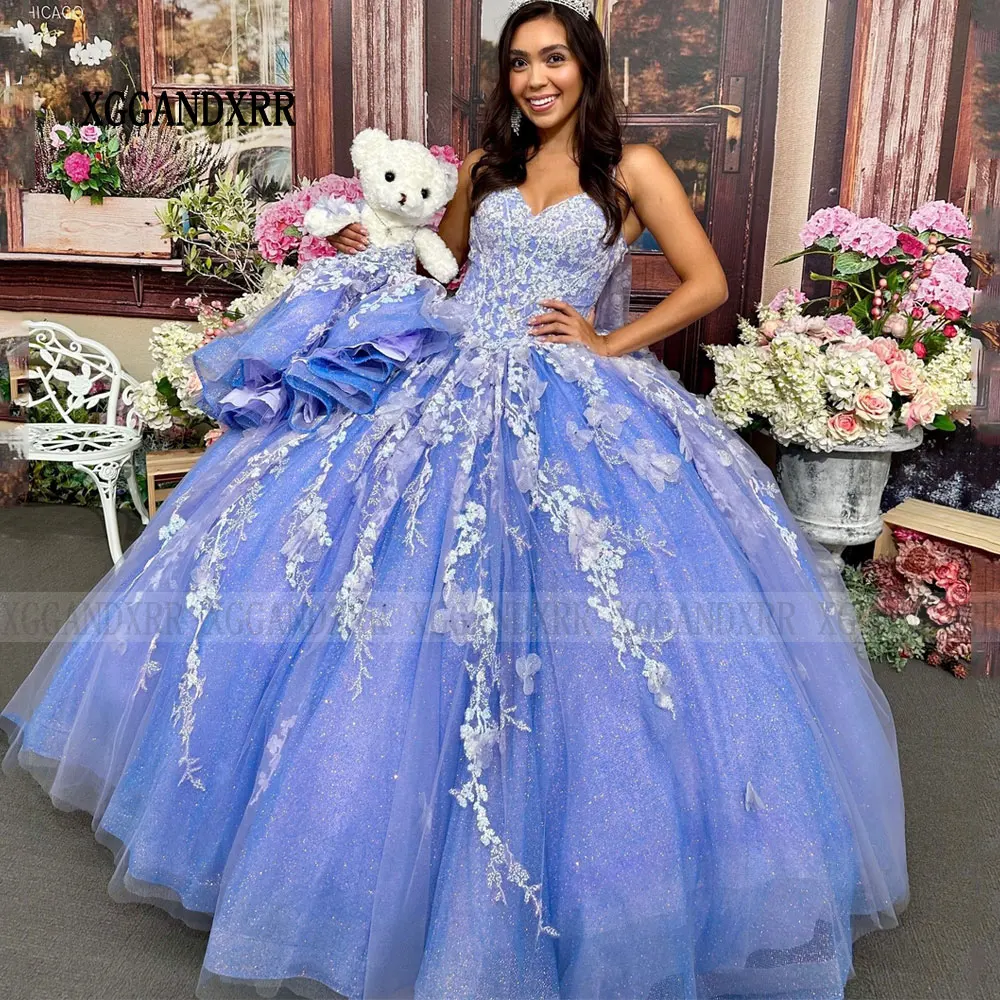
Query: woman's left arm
662, 205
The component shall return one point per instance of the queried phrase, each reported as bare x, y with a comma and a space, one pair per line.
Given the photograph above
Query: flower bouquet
890, 348
85, 161
916, 604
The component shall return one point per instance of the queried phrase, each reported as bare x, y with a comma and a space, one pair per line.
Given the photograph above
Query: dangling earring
515, 120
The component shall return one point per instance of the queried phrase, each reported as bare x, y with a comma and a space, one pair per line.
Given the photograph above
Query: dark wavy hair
598, 140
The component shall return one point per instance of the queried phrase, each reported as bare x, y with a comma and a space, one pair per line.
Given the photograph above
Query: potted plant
98, 193
887, 356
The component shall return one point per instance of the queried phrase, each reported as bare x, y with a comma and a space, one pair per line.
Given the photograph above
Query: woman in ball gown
478, 658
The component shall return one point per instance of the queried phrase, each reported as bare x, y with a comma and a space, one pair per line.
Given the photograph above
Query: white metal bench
64, 364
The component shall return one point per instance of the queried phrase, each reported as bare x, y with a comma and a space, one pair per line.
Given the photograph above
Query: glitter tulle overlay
470, 666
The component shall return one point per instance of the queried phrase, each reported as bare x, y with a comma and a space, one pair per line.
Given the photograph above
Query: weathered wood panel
388, 55
899, 93
975, 176
120, 227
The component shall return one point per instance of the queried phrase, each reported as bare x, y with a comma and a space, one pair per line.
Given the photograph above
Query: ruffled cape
318, 345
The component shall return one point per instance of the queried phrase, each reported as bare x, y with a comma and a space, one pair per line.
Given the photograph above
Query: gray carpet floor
63, 938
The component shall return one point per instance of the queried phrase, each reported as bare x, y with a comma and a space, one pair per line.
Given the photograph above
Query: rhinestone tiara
581, 7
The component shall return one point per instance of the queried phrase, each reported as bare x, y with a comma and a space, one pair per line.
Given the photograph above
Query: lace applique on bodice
517, 258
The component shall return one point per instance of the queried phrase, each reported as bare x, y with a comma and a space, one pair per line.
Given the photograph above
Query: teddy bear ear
366, 144
450, 179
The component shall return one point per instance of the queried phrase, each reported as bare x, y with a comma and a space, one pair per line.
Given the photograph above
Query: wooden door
698, 79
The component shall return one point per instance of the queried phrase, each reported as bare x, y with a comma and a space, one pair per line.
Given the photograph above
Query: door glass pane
494, 13
222, 42
262, 152
664, 53
85, 47
688, 149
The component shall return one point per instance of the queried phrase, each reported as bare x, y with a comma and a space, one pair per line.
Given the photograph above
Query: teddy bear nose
402, 198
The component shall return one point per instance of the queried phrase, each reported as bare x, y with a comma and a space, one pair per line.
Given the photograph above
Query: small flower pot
836, 496
119, 227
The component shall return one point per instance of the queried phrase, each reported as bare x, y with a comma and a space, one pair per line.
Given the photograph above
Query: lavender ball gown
469, 666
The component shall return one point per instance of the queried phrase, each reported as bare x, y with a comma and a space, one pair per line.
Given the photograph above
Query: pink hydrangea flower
784, 296
90, 133
77, 166
950, 264
826, 222
335, 186
446, 154
940, 217
273, 241
312, 247
943, 288
871, 237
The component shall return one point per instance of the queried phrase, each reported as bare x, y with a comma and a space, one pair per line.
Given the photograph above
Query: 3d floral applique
526, 667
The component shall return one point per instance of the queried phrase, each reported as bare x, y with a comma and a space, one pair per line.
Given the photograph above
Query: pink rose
947, 573
90, 133
886, 350
77, 167
841, 323
920, 349
59, 135
768, 330
942, 613
957, 593
844, 426
922, 409
904, 379
896, 326
872, 405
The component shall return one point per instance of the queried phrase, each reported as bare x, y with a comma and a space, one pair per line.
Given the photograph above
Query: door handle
733, 109
734, 123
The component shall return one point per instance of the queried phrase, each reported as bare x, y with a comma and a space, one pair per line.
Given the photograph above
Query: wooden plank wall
899, 95
388, 55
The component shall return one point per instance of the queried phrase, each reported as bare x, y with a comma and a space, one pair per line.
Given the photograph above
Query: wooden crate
979, 535
119, 227
165, 469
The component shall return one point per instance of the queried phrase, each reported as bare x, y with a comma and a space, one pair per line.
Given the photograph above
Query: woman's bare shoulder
638, 158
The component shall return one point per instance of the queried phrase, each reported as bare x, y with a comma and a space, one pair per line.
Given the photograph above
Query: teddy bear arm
433, 253
330, 216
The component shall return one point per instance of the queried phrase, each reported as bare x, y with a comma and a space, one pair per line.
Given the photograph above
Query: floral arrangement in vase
915, 604
166, 401
890, 348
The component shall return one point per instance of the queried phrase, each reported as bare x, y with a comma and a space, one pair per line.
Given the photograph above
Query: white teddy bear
404, 185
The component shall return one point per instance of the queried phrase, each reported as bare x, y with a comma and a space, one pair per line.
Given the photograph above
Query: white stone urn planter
836, 496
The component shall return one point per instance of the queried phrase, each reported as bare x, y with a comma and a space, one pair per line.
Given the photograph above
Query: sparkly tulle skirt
469, 667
